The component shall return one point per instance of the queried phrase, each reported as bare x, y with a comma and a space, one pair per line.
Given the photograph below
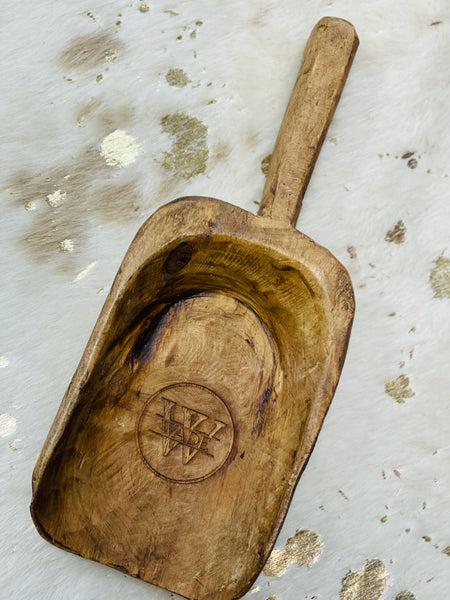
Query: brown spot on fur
85, 111
89, 52
398, 389
440, 278
265, 164
221, 151
85, 206
397, 233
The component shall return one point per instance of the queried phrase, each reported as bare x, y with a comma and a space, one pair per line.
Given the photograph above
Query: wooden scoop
203, 387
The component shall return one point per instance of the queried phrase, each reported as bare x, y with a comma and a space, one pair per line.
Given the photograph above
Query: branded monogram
186, 432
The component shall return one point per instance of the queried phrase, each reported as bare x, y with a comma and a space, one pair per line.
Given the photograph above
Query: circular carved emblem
185, 433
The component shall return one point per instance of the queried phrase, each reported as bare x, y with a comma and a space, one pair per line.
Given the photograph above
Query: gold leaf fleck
85, 271
12, 444
265, 164
398, 389
446, 551
304, 549
7, 425
405, 596
366, 585
110, 55
397, 233
144, 7
66, 245
440, 278
177, 78
189, 151
119, 149
56, 199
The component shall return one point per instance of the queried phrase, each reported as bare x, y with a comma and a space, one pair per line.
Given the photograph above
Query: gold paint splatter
384, 519
56, 199
334, 140
193, 35
405, 596
412, 163
440, 278
352, 252
99, 78
426, 538
4, 362
172, 13
383, 474
31, 205
265, 164
84, 272
66, 245
397, 473
446, 551
144, 7
407, 155
398, 389
199, 23
7, 425
189, 151
276, 564
91, 16
12, 444
177, 78
397, 233
254, 589
110, 55
368, 585
211, 101
119, 149
343, 495
89, 51
407, 530
272, 598
304, 548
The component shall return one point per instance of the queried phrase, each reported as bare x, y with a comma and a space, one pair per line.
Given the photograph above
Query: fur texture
376, 487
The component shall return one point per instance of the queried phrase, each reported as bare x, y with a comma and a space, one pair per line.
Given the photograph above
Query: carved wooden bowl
205, 382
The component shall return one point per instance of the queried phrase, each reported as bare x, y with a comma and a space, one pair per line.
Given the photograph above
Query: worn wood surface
326, 62
200, 394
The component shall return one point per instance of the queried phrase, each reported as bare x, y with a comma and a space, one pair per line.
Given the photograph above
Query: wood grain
198, 399
326, 62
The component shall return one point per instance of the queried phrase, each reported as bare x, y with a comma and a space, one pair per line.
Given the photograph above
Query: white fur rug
373, 502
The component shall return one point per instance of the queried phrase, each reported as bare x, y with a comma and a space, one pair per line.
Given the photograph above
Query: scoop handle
326, 62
